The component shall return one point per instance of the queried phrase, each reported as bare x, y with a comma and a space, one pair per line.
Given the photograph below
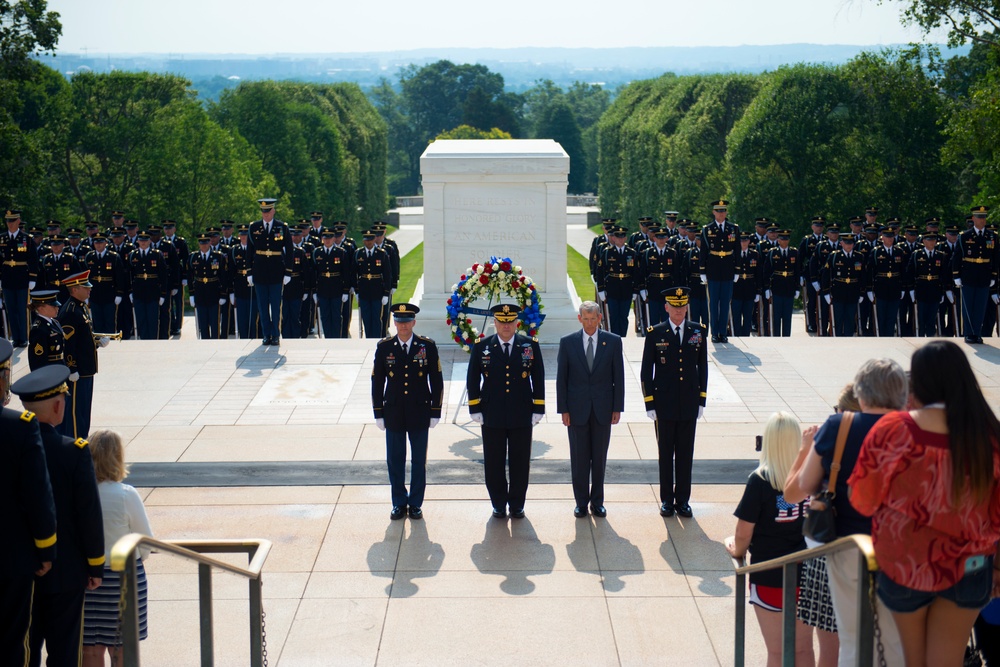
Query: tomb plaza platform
229, 439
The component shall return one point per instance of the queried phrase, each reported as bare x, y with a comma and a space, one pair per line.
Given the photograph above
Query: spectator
768, 527
123, 514
847, 401
929, 477
880, 386
987, 631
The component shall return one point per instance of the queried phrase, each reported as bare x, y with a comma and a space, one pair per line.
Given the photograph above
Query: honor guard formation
865, 279
265, 280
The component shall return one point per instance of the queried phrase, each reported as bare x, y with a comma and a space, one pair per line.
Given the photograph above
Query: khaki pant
842, 569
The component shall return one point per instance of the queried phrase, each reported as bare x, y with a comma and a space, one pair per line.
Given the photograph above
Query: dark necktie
590, 353
506, 349
677, 330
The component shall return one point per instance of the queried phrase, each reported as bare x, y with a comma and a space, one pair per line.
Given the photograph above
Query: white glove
861, 299
162, 300
173, 292
635, 297
104, 341
756, 298
118, 300
796, 295
184, 282
871, 297
815, 286
827, 298
704, 279
385, 300
131, 298
74, 377
958, 283
736, 278
392, 291
802, 280
950, 295
191, 301
222, 301
644, 294
31, 285
305, 297
434, 422
992, 283
603, 296
286, 280
902, 295
250, 281
232, 299
380, 423
996, 298
477, 417
343, 298
535, 418
767, 294
701, 411
651, 414
352, 291
913, 295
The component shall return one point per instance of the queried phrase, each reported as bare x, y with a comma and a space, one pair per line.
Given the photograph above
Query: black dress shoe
275, 341
21, 343
599, 511
666, 509
517, 514
715, 339
579, 512
723, 339
499, 514
684, 511
416, 513
398, 512
266, 341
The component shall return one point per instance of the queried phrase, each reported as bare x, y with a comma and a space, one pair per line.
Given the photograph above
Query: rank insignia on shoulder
81, 443
27, 416
649, 329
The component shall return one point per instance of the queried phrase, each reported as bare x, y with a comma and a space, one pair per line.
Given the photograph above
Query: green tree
559, 123
26, 29
964, 20
469, 132
972, 150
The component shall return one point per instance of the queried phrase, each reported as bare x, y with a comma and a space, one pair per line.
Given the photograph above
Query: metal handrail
123, 560
867, 563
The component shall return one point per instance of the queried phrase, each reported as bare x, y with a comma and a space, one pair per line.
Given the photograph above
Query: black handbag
820, 523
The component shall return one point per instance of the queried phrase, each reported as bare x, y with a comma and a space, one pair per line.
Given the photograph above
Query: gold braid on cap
61, 389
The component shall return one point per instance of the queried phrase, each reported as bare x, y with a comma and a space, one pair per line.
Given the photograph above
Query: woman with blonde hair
768, 527
123, 514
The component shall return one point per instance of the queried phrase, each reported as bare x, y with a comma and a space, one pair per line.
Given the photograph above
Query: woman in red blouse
929, 479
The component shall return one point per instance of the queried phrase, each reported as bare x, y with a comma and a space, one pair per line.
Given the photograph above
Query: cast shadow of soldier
691, 552
597, 543
405, 556
261, 358
511, 548
744, 361
471, 449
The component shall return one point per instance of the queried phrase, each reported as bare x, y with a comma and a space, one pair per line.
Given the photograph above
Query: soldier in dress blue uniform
296, 290
316, 228
150, 278
241, 295
804, 258
29, 519
660, 271
183, 253
174, 278
674, 378
618, 280
506, 387
56, 265
341, 240
270, 267
46, 341
109, 277
885, 282
842, 279
207, 276
57, 605
720, 243
746, 292
670, 224
929, 272
18, 275
781, 280
407, 390
81, 354
907, 311
373, 282
332, 269
597, 247
691, 269
817, 262
974, 271
391, 249
951, 319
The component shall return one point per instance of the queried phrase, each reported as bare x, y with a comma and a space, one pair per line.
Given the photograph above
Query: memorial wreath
493, 279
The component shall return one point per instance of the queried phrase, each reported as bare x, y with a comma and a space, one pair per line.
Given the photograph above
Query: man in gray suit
590, 395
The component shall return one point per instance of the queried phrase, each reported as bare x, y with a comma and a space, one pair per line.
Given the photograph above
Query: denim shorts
971, 592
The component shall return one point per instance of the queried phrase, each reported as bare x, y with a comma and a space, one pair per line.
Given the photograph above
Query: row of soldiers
868, 279
139, 277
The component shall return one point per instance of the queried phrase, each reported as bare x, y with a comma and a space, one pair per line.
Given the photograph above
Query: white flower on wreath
479, 270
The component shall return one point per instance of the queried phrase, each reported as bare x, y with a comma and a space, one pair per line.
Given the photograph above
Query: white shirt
586, 338
123, 514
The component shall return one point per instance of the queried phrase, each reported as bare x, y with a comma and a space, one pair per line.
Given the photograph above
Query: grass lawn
411, 267
578, 268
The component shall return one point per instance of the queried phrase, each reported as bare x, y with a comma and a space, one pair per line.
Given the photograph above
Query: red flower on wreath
487, 269
513, 284
505, 266
484, 279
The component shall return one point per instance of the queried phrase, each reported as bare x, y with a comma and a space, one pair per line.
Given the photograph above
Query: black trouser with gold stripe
15, 617
57, 620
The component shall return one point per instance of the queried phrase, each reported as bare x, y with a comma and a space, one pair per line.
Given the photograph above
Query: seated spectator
768, 527
929, 479
847, 401
123, 514
880, 386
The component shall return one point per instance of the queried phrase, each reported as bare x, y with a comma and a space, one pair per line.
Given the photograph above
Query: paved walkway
345, 585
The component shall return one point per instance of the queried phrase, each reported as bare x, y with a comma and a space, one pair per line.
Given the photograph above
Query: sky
337, 26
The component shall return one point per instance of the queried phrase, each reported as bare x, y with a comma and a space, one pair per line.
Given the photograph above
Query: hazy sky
317, 26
